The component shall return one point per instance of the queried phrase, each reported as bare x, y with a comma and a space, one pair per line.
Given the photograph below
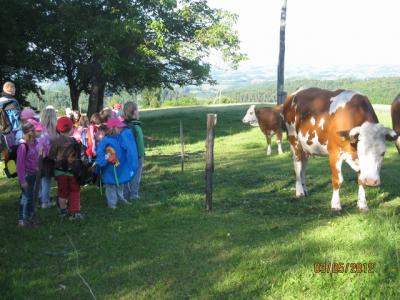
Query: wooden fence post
211, 122
182, 145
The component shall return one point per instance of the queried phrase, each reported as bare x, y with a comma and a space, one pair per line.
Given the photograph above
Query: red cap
115, 122
64, 124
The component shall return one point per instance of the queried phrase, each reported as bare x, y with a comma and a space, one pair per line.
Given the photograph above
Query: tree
107, 44
19, 62
151, 97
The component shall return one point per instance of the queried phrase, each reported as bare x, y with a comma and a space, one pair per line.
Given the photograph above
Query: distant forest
379, 90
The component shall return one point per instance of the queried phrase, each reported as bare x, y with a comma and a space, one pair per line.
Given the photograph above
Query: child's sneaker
75, 216
63, 212
111, 206
21, 223
124, 202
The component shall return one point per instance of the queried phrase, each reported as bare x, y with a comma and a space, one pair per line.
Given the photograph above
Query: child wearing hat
117, 165
63, 152
27, 166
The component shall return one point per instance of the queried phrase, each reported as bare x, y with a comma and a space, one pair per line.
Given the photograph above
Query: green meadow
259, 242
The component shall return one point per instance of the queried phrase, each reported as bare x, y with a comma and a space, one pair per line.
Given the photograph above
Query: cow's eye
383, 153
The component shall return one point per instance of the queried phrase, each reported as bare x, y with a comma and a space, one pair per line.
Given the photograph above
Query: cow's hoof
363, 210
301, 195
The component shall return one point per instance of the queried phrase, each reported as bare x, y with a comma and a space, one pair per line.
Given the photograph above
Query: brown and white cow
341, 124
395, 111
270, 121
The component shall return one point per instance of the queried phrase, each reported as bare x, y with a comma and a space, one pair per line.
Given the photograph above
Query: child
117, 160
95, 122
65, 150
49, 123
131, 119
75, 116
83, 124
28, 113
27, 166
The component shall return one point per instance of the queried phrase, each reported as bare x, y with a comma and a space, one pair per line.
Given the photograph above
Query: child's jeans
26, 200
114, 194
45, 190
132, 187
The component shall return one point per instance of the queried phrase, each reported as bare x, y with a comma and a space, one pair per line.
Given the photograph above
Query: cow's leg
279, 141
298, 159
336, 170
303, 175
268, 136
298, 169
362, 201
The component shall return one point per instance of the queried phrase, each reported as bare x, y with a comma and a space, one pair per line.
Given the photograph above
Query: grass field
258, 243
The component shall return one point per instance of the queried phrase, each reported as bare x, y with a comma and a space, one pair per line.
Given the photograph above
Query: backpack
10, 160
10, 124
132, 125
72, 158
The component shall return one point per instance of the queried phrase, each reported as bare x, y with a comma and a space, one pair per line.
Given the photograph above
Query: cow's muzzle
371, 182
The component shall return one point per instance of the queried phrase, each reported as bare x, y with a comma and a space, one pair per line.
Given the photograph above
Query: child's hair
129, 110
105, 114
29, 132
83, 121
48, 119
95, 119
113, 131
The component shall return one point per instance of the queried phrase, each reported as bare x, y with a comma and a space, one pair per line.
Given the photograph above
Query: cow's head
250, 116
369, 139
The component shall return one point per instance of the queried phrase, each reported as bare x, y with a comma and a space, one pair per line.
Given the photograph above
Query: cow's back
270, 118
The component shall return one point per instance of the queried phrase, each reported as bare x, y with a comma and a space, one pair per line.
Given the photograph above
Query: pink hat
115, 122
36, 125
27, 113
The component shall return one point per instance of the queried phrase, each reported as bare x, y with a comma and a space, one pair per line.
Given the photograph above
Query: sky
320, 33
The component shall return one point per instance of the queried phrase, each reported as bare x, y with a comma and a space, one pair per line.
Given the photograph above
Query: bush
182, 102
223, 100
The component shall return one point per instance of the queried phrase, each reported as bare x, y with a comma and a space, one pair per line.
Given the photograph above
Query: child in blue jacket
117, 165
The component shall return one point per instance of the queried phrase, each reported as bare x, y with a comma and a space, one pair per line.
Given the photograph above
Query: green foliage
18, 60
222, 100
184, 101
379, 90
128, 45
150, 97
258, 243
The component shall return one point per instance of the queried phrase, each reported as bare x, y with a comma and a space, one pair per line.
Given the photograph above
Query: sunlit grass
259, 242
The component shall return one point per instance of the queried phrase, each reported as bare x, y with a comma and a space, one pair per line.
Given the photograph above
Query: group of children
112, 142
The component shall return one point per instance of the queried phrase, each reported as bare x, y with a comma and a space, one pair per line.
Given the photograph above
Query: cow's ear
345, 135
391, 135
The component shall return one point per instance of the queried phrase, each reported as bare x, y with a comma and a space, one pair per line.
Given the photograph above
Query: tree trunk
74, 95
96, 97
281, 65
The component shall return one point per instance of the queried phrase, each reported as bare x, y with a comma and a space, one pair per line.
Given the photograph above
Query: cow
343, 125
270, 121
395, 112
